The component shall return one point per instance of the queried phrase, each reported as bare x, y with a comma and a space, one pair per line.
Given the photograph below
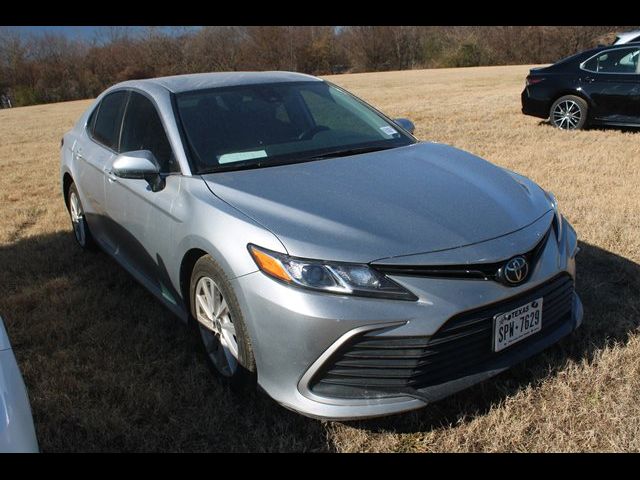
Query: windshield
260, 125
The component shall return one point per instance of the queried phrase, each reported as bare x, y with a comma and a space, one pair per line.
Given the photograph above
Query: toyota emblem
515, 270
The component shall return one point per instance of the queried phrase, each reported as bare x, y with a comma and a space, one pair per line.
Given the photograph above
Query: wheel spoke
230, 343
206, 293
222, 308
205, 321
215, 300
229, 328
203, 305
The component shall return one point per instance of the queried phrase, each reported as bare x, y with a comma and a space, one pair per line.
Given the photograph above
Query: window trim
602, 52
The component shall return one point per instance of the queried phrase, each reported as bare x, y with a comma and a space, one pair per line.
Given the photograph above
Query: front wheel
569, 113
220, 324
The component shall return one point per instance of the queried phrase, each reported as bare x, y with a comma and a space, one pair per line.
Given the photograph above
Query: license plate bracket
517, 324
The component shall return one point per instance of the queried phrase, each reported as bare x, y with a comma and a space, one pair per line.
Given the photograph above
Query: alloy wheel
77, 218
567, 115
216, 326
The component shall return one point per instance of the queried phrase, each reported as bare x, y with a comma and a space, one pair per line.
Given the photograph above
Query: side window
615, 61
109, 118
143, 130
629, 62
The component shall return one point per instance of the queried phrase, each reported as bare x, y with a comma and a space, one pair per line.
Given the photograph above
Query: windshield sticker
241, 156
389, 130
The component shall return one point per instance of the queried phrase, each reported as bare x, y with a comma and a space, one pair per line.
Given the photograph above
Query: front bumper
296, 332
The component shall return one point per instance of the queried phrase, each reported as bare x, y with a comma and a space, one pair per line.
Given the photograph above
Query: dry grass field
109, 369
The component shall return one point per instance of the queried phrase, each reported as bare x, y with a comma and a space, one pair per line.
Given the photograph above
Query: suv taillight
531, 80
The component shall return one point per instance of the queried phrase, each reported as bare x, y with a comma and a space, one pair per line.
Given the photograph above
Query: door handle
588, 79
79, 156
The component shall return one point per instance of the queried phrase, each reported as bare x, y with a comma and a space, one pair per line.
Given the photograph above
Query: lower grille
370, 365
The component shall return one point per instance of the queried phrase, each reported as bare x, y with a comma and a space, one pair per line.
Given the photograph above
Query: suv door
142, 222
92, 154
612, 79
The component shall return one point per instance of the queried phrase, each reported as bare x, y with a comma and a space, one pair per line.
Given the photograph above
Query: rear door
612, 79
141, 220
92, 154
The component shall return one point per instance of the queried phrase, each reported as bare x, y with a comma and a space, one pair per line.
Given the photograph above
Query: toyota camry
596, 87
316, 246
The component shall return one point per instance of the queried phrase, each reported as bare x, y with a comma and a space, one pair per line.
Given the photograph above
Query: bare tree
35, 69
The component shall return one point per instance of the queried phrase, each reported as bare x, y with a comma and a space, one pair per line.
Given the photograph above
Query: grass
109, 369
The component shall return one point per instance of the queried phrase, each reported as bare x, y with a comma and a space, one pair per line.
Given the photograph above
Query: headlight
333, 277
557, 221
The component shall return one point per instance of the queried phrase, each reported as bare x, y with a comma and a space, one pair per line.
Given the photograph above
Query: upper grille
480, 271
371, 365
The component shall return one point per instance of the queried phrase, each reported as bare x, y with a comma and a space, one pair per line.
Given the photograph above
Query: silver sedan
317, 247
17, 433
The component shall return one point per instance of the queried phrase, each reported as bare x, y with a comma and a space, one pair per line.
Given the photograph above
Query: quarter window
109, 118
143, 130
615, 61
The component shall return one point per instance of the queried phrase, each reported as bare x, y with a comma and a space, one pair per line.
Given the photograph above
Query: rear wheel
78, 220
569, 113
220, 325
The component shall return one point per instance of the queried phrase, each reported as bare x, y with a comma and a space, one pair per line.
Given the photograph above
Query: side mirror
139, 165
406, 124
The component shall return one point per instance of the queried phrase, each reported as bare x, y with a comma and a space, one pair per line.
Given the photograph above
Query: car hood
420, 198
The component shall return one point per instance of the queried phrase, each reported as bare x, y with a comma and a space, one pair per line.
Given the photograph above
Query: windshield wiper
349, 151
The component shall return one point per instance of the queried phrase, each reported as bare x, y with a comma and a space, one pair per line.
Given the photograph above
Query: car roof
626, 36
201, 81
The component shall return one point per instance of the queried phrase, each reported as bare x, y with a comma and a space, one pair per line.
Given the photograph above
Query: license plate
517, 324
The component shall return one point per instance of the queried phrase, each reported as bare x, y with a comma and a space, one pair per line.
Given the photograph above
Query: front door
613, 83
141, 219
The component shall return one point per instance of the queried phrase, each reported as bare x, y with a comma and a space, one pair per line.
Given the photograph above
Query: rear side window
106, 129
615, 61
143, 130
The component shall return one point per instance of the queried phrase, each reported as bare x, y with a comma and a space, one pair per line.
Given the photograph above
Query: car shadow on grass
603, 128
108, 368
609, 286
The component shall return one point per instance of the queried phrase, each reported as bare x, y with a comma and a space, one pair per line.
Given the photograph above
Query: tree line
53, 68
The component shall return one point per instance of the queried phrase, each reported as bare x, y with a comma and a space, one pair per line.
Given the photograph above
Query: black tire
569, 112
81, 230
243, 377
